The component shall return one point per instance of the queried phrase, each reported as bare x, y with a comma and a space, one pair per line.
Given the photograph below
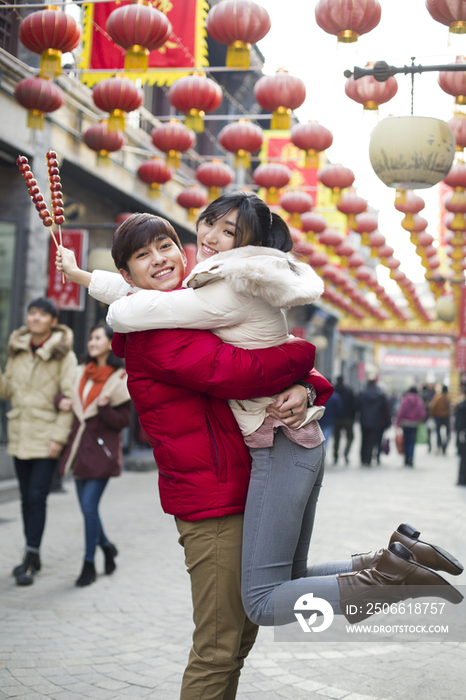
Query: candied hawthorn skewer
56, 194
36, 196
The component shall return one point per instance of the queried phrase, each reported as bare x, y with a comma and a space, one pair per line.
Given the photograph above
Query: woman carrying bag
411, 412
101, 407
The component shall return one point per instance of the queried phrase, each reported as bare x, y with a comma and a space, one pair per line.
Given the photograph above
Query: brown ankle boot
395, 577
429, 555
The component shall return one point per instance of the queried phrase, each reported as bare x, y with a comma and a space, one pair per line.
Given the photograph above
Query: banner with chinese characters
68, 295
186, 47
278, 148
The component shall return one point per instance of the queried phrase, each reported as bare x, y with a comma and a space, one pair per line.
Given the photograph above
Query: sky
296, 43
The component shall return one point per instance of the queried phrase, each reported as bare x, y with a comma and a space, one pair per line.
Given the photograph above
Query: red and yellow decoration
173, 138
280, 94
241, 138
39, 96
312, 138
272, 176
155, 173
100, 139
215, 175
237, 23
347, 20
195, 95
117, 96
192, 199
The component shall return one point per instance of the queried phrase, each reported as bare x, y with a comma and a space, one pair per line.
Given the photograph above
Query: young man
40, 366
202, 459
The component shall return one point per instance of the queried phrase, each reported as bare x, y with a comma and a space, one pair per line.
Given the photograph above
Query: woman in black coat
101, 407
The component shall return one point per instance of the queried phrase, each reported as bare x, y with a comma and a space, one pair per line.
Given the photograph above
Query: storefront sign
68, 295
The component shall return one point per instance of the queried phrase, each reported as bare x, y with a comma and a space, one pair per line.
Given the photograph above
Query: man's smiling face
159, 265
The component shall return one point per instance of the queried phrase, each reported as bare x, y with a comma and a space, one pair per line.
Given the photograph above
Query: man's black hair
45, 304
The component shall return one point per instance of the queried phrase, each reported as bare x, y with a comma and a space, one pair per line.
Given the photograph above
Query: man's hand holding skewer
65, 261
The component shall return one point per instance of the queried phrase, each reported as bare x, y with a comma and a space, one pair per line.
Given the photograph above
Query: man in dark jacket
371, 404
345, 420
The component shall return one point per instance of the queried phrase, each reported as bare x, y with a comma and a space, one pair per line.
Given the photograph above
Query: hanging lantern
449, 12
215, 175
38, 96
364, 225
351, 205
384, 251
50, 32
317, 260
410, 153
312, 138
331, 239
138, 28
410, 204
272, 176
280, 94
336, 177
376, 240
455, 202
454, 82
155, 173
192, 198
313, 223
356, 263
241, 138
458, 126
296, 203
345, 250
173, 138
117, 96
237, 23
347, 20
456, 176
195, 95
98, 138
369, 92
446, 309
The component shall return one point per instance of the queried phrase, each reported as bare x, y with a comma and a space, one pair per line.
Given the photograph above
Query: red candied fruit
37, 198
50, 154
41, 206
47, 222
44, 213
59, 219
55, 178
53, 163
55, 187
21, 160
54, 171
33, 190
24, 168
58, 211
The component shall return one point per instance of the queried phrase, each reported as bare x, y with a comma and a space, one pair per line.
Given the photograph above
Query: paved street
127, 636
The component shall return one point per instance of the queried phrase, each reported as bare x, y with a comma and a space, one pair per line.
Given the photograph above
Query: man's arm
103, 286
201, 361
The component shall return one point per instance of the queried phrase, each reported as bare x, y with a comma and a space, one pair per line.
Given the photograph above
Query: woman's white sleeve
212, 306
108, 286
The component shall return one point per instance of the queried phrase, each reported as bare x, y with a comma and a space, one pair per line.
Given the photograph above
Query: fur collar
55, 347
276, 277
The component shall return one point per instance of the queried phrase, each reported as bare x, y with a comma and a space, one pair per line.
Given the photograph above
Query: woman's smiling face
216, 236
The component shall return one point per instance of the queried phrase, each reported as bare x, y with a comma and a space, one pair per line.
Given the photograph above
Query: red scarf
98, 375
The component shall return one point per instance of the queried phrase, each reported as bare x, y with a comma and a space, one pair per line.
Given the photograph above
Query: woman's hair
137, 231
255, 223
412, 390
112, 359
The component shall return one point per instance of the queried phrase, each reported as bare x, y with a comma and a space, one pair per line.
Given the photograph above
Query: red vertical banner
68, 295
461, 342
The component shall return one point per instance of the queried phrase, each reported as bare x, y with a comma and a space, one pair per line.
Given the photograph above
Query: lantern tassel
137, 58
280, 119
35, 119
194, 120
50, 63
238, 55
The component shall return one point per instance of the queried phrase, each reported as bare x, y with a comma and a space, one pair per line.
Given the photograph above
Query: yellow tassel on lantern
153, 191
116, 120
173, 159
311, 159
242, 159
458, 222
238, 55
371, 106
365, 240
400, 197
192, 214
374, 253
194, 120
414, 239
213, 193
50, 63
458, 27
137, 58
408, 222
457, 240
103, 159
35, 119
347, 36
280, 119
351, 221
295, 220
272, 195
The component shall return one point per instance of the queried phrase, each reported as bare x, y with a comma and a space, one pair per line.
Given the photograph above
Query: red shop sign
68, 295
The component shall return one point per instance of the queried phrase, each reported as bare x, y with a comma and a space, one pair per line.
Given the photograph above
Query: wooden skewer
53, 236
61, 243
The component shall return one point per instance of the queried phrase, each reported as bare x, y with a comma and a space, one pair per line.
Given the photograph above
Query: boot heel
408, 531
400, 550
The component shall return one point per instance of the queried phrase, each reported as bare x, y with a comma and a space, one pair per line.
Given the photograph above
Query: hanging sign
68, 295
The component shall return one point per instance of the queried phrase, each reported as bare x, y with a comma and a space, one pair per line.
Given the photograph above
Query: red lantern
214, 175
330, 238
237, 23
455, 202
351, 205
385, 251
139, 28
313, 138
355, 263
449, 12
336, 177
456, 176
364, 225
50, 32
454, 82
345, 250
410, 204
241, 138
296, 203
100, 139
369, 92
192, 198
347, 20
117, 96
376, 239
195, 95
38, 96
155, 173
458, 126
173, 138
280, 94
313, 223
425, 239
272, 176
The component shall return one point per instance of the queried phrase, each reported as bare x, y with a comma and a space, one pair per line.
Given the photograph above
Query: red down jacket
202, 459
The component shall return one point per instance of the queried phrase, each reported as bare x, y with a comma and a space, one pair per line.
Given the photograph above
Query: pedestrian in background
345, 421
411, 412
333, 409
41, 364
440, 409
101, 409
427, 394
460, 427
371, 406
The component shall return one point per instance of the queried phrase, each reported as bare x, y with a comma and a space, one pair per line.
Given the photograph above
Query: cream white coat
238, 295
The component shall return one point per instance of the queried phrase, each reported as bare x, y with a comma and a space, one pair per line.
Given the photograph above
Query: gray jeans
278, 522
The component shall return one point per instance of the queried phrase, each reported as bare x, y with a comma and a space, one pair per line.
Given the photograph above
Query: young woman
410, 413
243, 280
101, 408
